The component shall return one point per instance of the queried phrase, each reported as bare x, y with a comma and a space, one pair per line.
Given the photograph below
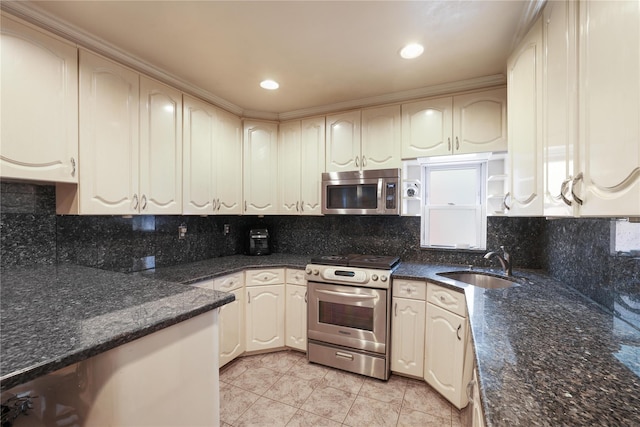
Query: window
454, 214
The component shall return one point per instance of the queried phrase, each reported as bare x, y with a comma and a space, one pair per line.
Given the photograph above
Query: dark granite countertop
546, 355
54, 316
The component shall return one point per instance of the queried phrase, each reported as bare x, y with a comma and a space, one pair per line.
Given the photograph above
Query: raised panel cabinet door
381, 139
199, 129
480, 122
407, 330
228, 159
609, 184
524, 85
312, 163
260, 167
427, 127
109, 139
446, 334
265, 317
560, 105
160, 148
296, 317
343, 142
39, 79
231, 321
289, 168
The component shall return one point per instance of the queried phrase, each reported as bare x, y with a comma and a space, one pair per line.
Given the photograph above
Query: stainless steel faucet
504, 258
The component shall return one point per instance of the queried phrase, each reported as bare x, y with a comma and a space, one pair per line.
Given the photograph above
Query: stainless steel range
349, 312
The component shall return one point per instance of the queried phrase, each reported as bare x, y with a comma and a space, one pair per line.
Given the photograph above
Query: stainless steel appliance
349, 306
368, 192
259, 241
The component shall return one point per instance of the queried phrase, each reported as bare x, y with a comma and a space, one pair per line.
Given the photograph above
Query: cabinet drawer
447, 298
274, 276
413, 289
205, 284
229, 282
295, 277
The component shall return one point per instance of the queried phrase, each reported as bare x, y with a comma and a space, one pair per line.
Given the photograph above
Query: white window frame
478, 162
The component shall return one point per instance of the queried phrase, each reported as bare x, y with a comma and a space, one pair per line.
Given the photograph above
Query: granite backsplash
576, 251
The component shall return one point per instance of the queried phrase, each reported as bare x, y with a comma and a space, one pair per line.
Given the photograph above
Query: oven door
350, 316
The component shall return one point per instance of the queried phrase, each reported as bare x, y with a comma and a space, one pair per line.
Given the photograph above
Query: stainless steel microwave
368, 192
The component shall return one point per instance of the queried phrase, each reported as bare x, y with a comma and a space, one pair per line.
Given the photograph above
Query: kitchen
573, 250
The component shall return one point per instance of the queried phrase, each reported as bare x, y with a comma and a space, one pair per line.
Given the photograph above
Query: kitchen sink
481, 280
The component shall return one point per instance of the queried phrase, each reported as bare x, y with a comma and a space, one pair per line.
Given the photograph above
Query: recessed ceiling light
411, 51
269, 84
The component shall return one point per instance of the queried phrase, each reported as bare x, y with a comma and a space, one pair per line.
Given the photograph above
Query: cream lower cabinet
231, 318
408, 327
296, 310
265, 309
448, 361
477, 414
39, 79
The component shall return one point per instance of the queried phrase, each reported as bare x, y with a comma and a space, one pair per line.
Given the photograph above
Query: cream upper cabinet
109, 141
560, 97
381, 140
343, 142
39, 78
260, 167
524, 82
228, 162
469, 123
160, 148
301, 163
608, 177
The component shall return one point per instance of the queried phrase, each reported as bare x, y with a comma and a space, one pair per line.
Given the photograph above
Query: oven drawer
412, 289
447, 298
349, 360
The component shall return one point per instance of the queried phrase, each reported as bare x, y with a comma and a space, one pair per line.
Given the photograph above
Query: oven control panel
348, 276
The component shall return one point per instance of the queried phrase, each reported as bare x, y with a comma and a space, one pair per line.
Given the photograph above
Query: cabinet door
296, 317
560, 107
39, 79
480, 122
609, 108
444, 354
312, 150
524, 79
265, 317
160, 148
427, 127
260, 168
381, 138
228, 160
343, 142
109, 140
289, 147
231, 320
407, 332
200, 127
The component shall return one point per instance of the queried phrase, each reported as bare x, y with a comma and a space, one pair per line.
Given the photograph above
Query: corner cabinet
468, 123
265, 309
260, 168
296, 310
524, 82
40, 105
408, 327
231, 318
300, 166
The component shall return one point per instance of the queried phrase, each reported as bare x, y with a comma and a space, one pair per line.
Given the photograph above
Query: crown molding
531, 12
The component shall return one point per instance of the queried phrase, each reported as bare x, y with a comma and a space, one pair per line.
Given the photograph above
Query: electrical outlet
182, 231
227, 229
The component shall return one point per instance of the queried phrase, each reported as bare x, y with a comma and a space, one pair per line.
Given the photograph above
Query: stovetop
357, 260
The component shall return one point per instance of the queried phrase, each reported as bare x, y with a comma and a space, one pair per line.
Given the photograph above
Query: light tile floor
283, 389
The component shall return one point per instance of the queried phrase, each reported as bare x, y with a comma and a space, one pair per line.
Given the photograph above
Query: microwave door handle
346, 294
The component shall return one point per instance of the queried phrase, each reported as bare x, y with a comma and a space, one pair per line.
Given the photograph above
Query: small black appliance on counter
259, 241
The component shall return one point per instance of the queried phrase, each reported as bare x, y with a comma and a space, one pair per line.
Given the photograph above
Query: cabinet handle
470, 387
135, 202
219, 204
73, 167
577, 199
457, 144
306, 293
245, 205
364, 161
563, 191
395, 309
248, 298
504, 201
144, 202
449, 143
297, 206
301, 205
357, 159
213, 202
458, 332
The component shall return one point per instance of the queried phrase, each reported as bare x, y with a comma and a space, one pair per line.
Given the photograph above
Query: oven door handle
345, 294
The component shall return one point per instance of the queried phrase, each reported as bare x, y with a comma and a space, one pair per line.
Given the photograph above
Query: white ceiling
323, 53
